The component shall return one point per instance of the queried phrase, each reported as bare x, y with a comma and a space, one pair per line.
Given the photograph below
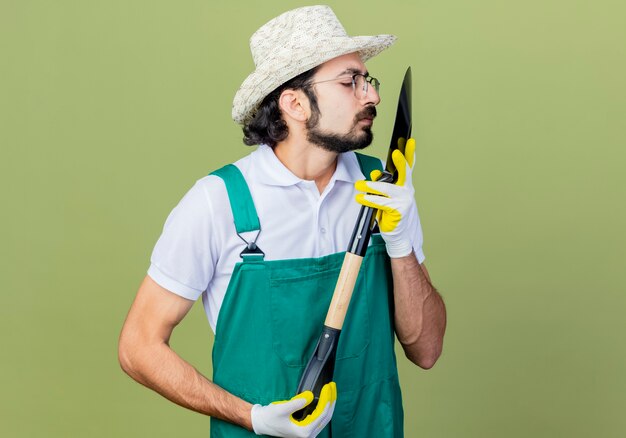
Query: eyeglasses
359, 83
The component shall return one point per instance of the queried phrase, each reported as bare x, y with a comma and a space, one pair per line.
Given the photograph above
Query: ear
294, 105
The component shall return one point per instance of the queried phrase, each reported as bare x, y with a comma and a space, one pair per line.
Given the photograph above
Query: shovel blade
402, 124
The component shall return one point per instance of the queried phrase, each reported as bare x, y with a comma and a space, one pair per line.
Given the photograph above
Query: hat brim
269, 76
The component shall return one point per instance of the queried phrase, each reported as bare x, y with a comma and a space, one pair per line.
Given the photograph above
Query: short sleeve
183, 259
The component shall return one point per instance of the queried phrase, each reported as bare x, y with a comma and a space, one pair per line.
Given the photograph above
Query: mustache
369, 112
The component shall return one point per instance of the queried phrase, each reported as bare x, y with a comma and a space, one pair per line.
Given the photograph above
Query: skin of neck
305, 160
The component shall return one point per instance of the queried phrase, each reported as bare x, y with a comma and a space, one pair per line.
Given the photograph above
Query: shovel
321, 365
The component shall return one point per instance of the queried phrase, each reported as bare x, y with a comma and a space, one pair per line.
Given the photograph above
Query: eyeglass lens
361, 83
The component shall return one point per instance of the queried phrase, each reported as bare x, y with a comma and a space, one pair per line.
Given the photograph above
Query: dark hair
267, 125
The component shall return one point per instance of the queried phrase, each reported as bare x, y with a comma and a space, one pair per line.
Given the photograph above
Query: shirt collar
269, 170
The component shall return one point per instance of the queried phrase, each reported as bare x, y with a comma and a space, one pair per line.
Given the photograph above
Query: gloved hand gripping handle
365, 224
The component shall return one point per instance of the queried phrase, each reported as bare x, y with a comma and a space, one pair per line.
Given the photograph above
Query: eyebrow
352, 71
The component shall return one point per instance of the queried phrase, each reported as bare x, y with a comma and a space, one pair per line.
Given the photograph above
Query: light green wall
110, 110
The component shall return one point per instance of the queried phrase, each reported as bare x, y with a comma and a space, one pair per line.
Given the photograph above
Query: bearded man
262, 241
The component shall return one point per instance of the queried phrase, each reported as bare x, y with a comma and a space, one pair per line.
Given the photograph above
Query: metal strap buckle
251, 248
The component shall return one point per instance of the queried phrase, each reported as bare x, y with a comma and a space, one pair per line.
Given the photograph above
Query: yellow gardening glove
396, 202
276, 418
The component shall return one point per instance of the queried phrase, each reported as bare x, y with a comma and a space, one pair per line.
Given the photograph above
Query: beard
340, 143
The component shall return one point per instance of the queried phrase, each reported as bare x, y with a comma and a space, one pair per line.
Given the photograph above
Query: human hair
267, 125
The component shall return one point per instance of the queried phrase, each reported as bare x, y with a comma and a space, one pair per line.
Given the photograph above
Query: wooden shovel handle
343, 291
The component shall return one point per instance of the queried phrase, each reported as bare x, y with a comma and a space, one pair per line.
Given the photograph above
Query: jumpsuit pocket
298, 310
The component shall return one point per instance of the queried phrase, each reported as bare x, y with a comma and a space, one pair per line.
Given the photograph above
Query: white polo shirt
199, 246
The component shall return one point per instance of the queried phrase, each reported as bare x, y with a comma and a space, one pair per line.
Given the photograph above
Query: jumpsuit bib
272, 316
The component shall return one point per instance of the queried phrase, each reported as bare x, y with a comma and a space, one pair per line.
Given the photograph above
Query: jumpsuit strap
241, 203
367, 164
244, 212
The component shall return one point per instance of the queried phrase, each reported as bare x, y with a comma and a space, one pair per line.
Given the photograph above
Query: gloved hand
276, 418
395, 202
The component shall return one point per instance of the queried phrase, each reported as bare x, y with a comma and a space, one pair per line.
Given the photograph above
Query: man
262, 242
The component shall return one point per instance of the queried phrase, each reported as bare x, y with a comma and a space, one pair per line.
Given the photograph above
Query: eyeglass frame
369, 80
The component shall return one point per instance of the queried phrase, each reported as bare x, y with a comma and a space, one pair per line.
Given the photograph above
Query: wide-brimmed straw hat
293, 43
